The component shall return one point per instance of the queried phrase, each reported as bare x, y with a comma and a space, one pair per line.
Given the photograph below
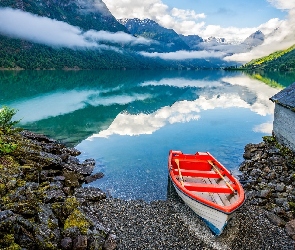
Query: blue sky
238, 13
233, 20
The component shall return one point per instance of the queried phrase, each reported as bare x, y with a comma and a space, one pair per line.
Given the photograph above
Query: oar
218, 172
180, 175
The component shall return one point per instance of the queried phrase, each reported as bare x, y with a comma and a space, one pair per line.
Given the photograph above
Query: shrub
6, 122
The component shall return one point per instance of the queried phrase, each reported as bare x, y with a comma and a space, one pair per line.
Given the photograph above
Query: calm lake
129, 120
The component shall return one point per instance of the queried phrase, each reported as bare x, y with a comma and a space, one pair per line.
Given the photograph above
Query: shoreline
50, 178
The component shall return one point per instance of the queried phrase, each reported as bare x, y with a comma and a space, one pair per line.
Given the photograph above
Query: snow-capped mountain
168, 40
255, 39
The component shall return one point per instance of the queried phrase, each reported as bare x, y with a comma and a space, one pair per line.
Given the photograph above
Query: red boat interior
203, 178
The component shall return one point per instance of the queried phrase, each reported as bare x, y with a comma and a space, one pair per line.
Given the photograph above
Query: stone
90, 193
280, 201
93, 177
47, 232
276, 220
66, 243
80, 242
110, 243
54, 195
264, 193
290, 229
280, 187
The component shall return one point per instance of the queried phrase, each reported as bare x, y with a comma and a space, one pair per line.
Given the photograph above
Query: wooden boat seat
198, 173
210, 188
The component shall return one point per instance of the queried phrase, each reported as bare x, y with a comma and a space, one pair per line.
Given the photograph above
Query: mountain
168, 40
282, 60
222, 45
192, 41
86, 14
106, 43
254, 40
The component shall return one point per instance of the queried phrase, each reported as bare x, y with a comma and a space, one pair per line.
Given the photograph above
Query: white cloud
280, 38
65, 102
186, 14
283, 4
24, 25
183, 21
118, 37
182, 83
255, 98
183, 55
265, 128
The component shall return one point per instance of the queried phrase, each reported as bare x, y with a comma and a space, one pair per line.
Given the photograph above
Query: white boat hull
215, 219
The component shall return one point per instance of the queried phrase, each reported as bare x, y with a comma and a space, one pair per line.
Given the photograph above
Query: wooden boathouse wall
284, 116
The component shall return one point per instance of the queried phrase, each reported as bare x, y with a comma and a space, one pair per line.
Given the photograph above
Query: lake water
129, 120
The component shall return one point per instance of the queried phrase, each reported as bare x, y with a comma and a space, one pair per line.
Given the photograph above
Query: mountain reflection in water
129, 120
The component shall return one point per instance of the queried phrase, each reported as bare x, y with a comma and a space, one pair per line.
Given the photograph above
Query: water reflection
129, 120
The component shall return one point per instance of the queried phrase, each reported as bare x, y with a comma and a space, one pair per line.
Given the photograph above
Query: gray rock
276, 220
93, 177
264, 193
47, 232
90, 193
290, 229
280, 201
54, 195
80, 242
66, 243
84, 168
280, 187
110, 243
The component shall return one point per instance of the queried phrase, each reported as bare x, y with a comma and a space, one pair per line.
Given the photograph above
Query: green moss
77, 219
71, 203
2, 189
13, 246
7, 240
20, 183
292, 206
269, 139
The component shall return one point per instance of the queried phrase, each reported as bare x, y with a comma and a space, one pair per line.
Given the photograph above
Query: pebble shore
173, 225
44, 205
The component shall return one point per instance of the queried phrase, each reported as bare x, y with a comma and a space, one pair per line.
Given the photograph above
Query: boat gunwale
225, 209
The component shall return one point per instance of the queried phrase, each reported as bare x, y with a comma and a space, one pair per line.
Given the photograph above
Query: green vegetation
268, 81
6, 127
77, 219
282, 60
6, 122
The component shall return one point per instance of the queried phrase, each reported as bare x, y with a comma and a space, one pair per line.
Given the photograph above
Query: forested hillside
115, 47
283, 60
86, 14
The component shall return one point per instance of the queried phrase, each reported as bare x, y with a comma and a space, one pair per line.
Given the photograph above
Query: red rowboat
206, 186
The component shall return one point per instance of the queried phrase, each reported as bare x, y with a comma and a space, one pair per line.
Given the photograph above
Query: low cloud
183, 55
281, 37
183, 21
183, 83
265, 128
118, 37
24, 25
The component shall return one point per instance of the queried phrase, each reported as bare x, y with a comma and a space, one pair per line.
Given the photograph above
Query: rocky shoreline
41, 197
44, 206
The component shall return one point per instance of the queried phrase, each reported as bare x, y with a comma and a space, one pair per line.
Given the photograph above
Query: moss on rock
77, 219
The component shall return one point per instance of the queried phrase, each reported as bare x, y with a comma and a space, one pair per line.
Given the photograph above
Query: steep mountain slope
168, 39
254, 40
86, 14
192, 41
283, 60
107, 53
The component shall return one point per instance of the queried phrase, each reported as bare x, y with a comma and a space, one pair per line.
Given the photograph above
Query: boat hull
206, 186
214, 219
